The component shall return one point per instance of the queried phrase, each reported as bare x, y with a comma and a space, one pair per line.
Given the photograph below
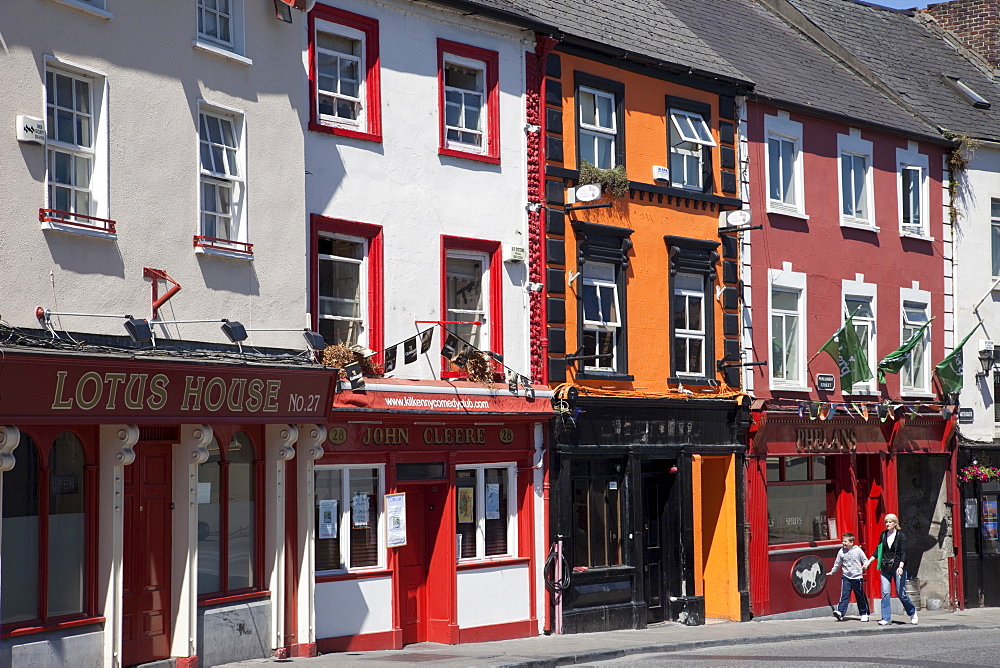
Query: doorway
981, 543
657, 560
146, 610
424, 511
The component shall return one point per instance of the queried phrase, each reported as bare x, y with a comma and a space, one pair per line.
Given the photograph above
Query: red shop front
428, 512
811, 481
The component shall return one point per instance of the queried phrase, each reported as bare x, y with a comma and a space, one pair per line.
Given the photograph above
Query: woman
892, 568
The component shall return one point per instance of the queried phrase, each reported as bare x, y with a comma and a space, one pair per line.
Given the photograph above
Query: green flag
845, 349
949, 370
895, 360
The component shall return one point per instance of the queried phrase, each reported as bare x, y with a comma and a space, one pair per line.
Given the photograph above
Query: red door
424, 513
146, 595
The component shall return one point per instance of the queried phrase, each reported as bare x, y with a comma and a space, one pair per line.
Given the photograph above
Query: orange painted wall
648, 297
720, 571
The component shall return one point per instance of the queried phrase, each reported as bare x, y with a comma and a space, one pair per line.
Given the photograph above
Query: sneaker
882, 622
839, 615
913, 619
864, 618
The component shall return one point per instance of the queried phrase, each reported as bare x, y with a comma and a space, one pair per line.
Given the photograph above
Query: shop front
645, 502
427, 515
141, 511
809, 481
979, 480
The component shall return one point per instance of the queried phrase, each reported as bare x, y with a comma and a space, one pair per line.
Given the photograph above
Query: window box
223, 247
67, 221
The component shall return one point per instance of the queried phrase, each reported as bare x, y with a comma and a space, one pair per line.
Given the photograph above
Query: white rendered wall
416, 195
353, 607
478, 602
972, 281
155, 79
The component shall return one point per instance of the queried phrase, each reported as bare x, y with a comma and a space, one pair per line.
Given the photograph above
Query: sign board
966, 415
395, 515
737, 218
30, 130
588, 193
826, 382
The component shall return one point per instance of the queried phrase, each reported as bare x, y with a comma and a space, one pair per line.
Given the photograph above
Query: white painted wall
478, 604
416, 195
973, 280
155, 79
353, 607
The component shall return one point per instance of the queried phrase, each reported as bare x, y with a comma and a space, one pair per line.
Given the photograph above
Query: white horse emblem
807, 577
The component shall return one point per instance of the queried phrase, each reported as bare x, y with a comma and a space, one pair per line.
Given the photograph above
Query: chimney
975, 23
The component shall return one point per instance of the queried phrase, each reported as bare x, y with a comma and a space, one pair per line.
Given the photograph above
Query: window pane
496, 511
819, 468
995, 242
242, 530
587, 148
466, 513
774, 169
467, 78
588, 108
328, 497
847, 185
788, 171
338, 43
798, 513
773, 469
605, 145
364, 491
465, 283
20, 536
210, 521
581, 523
67, 527
860, 164
796, 468
785, 300
605, 112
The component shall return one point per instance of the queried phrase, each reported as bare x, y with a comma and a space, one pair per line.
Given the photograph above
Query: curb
609, 655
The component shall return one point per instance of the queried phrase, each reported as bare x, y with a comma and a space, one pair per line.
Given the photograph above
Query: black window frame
695, 256
611, 87
707, 164
606, 244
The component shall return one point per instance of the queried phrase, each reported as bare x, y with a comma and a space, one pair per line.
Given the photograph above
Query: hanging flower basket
340, 355
976, 472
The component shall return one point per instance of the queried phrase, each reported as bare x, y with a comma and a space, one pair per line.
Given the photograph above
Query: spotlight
314, 340
234, 331
139, 329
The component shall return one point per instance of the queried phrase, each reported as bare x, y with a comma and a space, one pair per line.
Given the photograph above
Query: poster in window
989, 508
359, 510
328, 518
990, 531
493, 501
204, 492
395, 516
971, 513
465, 499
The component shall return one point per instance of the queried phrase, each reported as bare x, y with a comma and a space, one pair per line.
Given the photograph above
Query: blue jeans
900, 581
847, 585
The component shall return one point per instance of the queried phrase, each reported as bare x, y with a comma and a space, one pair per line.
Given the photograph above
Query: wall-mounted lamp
987, 357
233, 329
138, 330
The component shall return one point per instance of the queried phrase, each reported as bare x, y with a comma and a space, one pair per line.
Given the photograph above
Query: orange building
642, 314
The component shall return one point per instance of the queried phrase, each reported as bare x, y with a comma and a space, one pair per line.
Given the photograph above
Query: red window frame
373, 83
495, 291
224, 435
320, 225
42, 440
491, 152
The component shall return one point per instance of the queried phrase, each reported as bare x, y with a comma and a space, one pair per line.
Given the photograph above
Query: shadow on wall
925, 520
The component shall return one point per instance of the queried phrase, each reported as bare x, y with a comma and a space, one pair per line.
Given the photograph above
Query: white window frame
787, 280
235, 48
599, 131
910, 159
234, 182
782, 128
482, 315
687, 138
97, 152
859, 290
852, 146
680, 333
362, 265
344, 525
480, 505
361, 122
921, 387
599, 325
995, 237
483, 130
96, 8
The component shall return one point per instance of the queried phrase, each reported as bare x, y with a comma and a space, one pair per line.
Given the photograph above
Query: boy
851, 559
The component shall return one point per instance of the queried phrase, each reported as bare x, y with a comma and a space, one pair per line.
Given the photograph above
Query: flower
976, 472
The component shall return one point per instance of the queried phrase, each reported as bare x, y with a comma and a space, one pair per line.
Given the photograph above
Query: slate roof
910, 56
787, 67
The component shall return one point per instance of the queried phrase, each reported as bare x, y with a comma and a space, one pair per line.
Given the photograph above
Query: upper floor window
46, 534
786, 314
860, 307
995, 235
470, 101
472, 292
344, 74
346, 269
692, 278
913, 192
690, 145
220, 27
856, 192
689, 325
600, 121
914, 376
229, 536
70, 142
912, 204
223, 192
348, 516
783, 156
486, 511
601, 320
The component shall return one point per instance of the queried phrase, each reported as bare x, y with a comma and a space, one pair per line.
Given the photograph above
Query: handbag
886, 560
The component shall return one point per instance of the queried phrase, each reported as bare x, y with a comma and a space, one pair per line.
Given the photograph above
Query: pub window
801, 500
486, 511
348, 516
598, 500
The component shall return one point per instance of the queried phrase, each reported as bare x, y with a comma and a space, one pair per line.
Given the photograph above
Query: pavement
563, 650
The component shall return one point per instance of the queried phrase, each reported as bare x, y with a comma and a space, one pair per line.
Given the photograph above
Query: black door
656, 537
981, 543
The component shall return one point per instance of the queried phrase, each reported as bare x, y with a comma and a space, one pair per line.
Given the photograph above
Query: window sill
914, 235
917, 394
791, 213
594, 374
340, 131
341, 576
210, 600
87, 8
491, 562
236, 250
91, 226
787, 548
790, 388
28, 630
691, 380
221, 51
864, 392
860, 226
478, 157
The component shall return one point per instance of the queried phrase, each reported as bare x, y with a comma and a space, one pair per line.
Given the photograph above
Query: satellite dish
588, 193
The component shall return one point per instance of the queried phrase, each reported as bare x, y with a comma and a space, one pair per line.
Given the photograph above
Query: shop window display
800, 500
